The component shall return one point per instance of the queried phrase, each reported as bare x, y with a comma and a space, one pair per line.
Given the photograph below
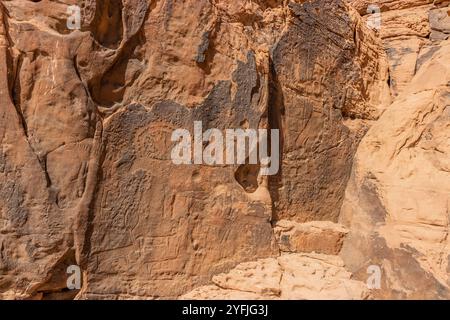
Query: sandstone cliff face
87, 179
397, 200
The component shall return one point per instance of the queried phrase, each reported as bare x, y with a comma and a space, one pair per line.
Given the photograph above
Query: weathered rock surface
326, 74
86, 176
398, 197
315, 236
397, 201
288, 277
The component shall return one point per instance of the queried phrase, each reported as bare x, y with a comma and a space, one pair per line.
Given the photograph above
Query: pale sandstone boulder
261, 277
288, 277
213, 292
409, 22
386, 5
318, 276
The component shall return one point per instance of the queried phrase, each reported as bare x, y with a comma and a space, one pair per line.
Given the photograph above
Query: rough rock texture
315, 236
288, 277
328, 69
397, 201
86, 177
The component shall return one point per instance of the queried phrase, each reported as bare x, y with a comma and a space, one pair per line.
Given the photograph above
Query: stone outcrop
316, 236
397, 201
288, 277
86, 175
329, 70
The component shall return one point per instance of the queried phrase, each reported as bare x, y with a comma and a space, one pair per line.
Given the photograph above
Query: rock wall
87, 178
398, 197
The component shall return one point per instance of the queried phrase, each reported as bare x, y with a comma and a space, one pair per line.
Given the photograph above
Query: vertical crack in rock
16, 93
13, 69
275, 115
84, 211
